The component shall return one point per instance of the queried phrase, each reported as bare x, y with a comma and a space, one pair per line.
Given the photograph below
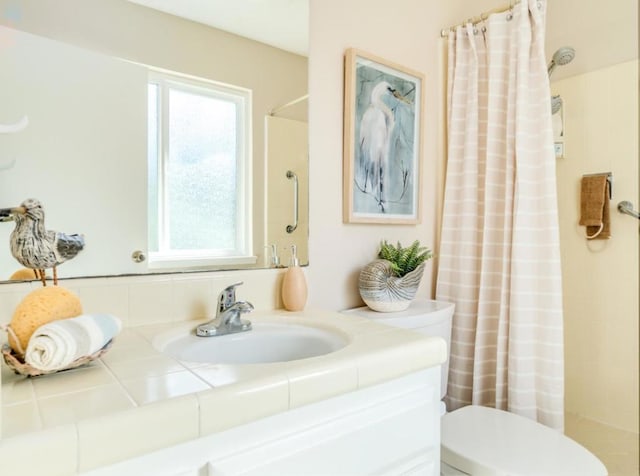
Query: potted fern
389, 283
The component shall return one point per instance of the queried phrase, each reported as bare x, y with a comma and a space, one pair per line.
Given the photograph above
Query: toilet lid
485, 441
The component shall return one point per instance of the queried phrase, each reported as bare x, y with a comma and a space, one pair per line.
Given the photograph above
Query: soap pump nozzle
294, 256
275, 259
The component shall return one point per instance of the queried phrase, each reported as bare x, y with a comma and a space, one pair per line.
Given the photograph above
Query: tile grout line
36, 400
119, 383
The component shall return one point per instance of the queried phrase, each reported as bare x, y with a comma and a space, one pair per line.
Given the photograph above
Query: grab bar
291, 175
626, 207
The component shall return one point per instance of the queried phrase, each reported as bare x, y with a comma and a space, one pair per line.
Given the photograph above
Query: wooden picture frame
383, 108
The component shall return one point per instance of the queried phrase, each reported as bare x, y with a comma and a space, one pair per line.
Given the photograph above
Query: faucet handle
228, 296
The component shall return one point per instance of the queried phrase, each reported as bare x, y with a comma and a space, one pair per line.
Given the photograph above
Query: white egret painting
382, 143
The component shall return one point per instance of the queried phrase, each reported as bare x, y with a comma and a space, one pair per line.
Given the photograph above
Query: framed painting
383, 105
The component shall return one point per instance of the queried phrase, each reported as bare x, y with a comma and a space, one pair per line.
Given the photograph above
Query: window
199, 173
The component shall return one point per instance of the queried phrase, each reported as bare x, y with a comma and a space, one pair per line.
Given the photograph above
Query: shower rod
483, 16
275, 110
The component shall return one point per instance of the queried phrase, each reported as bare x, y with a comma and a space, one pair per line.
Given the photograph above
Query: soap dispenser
294, 285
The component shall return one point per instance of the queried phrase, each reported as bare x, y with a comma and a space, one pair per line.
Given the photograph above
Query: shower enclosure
287, 185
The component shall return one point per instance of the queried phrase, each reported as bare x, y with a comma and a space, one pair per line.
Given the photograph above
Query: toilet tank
426, 316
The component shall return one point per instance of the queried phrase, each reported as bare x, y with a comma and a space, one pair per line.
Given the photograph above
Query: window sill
158, 261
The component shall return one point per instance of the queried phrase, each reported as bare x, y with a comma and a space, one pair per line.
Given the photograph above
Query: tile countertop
116, 407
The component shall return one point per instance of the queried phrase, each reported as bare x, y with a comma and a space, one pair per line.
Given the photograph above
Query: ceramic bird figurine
35, 247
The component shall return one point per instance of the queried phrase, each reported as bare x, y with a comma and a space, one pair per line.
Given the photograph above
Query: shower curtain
499, 258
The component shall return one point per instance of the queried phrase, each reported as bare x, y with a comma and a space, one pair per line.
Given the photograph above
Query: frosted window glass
199, 193
201, 173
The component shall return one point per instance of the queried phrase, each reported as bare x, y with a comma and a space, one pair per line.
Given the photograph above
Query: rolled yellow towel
37, 308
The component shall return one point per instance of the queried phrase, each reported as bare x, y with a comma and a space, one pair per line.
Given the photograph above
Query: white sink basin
265, 343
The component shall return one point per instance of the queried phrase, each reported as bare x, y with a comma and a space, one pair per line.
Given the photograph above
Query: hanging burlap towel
594, 206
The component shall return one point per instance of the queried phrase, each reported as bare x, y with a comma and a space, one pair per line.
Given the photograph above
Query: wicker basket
18, 366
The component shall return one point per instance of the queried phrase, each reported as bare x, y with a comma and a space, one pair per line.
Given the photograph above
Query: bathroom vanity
368, 405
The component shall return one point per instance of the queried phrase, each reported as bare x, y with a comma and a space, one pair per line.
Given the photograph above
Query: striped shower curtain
500, 253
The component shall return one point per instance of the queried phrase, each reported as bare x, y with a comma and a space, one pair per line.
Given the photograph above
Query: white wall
85, 145
406, 32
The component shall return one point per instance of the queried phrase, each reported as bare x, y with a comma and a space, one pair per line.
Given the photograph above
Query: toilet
478, 440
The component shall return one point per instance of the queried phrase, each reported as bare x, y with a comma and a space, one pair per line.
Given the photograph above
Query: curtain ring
510, 14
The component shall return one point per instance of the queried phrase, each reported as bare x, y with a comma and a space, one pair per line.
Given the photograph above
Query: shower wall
287, 148
601, 276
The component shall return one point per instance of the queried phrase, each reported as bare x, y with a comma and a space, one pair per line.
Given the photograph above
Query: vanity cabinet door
392, 428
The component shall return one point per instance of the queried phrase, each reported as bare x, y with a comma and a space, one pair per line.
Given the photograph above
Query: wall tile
10, 297
194, 298
151, 301
109, 299
601, 276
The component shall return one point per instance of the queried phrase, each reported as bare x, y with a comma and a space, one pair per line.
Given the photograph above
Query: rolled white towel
56, 344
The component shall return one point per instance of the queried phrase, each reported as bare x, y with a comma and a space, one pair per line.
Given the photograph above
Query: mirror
83, 153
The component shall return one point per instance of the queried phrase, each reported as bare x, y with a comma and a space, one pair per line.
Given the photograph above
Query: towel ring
591, 237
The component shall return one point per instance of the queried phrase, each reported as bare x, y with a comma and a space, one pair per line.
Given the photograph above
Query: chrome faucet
228, 314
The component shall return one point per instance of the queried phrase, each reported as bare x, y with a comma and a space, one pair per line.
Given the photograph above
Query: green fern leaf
404, 260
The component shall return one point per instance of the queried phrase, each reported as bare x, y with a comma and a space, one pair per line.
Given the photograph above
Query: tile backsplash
140, 300
150, 299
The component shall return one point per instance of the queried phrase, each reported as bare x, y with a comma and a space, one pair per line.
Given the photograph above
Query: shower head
564, 55
561, 57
